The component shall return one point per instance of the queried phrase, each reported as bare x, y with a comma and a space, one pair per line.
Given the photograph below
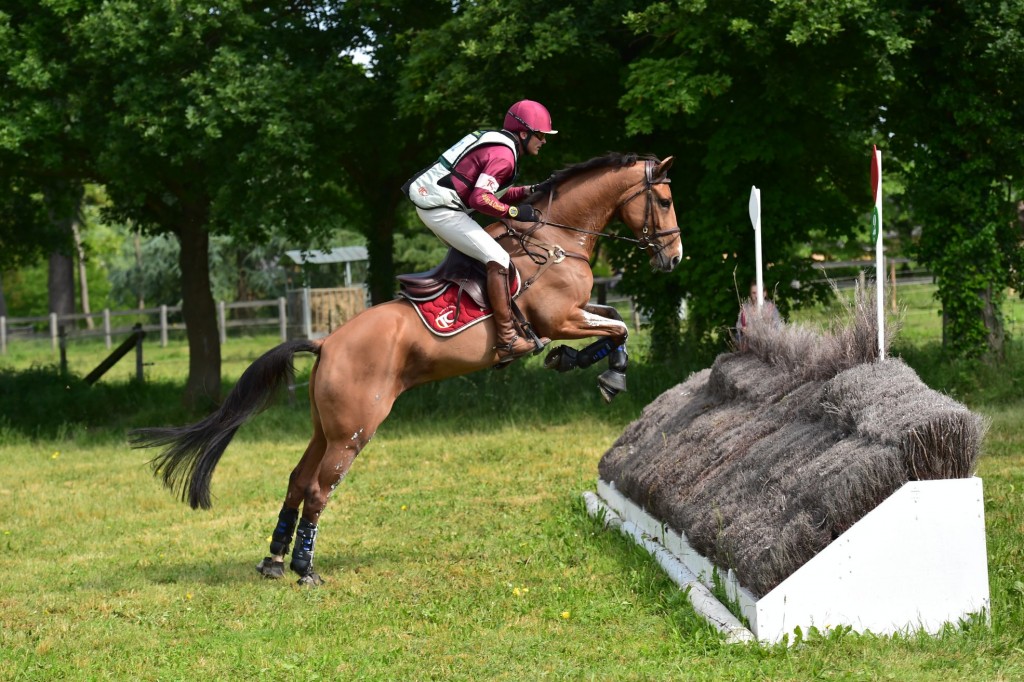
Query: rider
476, 174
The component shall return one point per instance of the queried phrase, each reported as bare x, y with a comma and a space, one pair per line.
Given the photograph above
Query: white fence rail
308, 313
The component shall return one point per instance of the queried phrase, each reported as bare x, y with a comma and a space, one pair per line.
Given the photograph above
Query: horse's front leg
595, 320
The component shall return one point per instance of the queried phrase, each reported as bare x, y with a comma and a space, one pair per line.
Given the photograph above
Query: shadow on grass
39, 403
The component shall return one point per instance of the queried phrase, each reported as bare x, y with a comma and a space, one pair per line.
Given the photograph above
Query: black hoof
311, 579
611, 383
269, 568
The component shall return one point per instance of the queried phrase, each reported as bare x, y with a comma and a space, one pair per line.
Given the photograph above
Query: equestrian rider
476, 174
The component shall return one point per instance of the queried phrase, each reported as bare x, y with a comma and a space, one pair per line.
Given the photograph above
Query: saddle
456, 268
452, 296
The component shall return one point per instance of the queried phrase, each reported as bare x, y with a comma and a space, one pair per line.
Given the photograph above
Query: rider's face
534, 142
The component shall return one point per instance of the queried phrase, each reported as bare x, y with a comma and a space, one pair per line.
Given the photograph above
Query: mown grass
457, 548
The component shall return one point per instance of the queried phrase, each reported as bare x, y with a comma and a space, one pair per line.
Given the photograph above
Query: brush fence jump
824, 486
917, 561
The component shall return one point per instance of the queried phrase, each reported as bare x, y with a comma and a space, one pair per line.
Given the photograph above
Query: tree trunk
62, 208
380, 246
60, 284
200, 313
993, 320
83, 280
3, 301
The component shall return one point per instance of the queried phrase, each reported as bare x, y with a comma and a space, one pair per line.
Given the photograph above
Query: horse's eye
665, 203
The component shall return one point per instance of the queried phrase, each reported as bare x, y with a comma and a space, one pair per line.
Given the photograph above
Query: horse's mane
609, 160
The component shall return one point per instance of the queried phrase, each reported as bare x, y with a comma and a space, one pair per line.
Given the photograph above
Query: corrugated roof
339, 254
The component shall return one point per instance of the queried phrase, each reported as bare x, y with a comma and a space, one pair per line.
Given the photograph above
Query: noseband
645, 240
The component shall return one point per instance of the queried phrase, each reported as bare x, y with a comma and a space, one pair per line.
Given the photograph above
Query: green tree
782, 95
199, 118
958, 120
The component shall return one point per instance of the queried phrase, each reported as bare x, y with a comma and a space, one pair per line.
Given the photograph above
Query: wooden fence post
106, 327
53, 331
163, 326
137, 330
892, 288
282, 319
222, 322
307, 314
63, 351
3, 335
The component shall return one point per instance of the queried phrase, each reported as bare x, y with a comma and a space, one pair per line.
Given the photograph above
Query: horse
363, 366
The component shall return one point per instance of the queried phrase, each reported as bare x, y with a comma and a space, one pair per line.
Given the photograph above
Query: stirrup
505, 350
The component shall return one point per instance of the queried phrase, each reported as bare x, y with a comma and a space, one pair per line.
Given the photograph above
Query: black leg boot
281, 540
302, 555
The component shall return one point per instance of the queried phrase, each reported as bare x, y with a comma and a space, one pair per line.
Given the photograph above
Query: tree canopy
256, 120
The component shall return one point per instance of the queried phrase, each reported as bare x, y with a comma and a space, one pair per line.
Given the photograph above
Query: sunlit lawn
456, 549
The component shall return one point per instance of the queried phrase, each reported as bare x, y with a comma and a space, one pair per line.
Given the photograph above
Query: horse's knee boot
302, 555
561, 359
281, 540
594, 352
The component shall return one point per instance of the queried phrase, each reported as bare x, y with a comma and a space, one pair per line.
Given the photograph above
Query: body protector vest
432, 187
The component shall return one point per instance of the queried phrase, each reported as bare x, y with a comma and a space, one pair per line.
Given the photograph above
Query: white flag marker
755, 220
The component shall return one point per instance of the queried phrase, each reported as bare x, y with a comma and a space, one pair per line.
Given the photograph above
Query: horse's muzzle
666, 262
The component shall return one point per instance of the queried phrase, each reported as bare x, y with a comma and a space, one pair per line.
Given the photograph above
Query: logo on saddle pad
446, 318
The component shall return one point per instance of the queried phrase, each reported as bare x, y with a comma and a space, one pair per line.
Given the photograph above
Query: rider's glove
524, 213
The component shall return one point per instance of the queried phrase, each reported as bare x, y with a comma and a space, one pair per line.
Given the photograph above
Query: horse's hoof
611, 383
269, 568
311, 580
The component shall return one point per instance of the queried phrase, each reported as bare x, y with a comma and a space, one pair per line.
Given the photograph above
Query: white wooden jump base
915, 562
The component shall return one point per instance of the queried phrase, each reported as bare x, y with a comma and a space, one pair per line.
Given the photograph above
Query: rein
645, 241
554, 254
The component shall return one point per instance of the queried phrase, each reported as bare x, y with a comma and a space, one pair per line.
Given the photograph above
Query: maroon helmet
529, 117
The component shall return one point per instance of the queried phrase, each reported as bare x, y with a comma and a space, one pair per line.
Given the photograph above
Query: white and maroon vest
432, 187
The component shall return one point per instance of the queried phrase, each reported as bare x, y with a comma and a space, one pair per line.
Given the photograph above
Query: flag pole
876, 234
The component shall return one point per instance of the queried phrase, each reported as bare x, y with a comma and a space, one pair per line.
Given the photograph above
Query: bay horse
365, 364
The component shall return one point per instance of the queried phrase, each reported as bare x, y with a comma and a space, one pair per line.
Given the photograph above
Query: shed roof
339, 254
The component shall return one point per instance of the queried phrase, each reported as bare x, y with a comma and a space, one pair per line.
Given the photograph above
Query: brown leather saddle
456, 269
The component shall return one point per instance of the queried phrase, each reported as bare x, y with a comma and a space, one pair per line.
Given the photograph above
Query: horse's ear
662, 168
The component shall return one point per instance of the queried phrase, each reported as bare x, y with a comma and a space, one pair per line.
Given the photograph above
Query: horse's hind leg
280, 542
333, 468
348, 429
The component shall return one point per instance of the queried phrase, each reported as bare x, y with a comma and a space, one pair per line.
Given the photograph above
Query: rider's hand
524, 213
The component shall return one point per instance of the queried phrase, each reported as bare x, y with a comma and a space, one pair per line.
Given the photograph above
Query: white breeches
458, 230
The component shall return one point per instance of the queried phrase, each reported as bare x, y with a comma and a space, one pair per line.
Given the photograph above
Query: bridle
556, 254
646, 240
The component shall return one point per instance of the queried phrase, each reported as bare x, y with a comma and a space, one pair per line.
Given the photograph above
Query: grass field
458, 547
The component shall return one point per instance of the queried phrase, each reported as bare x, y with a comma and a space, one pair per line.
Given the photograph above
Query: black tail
193, 451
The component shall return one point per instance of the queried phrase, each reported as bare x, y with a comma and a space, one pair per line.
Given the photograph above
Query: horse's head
646, 207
